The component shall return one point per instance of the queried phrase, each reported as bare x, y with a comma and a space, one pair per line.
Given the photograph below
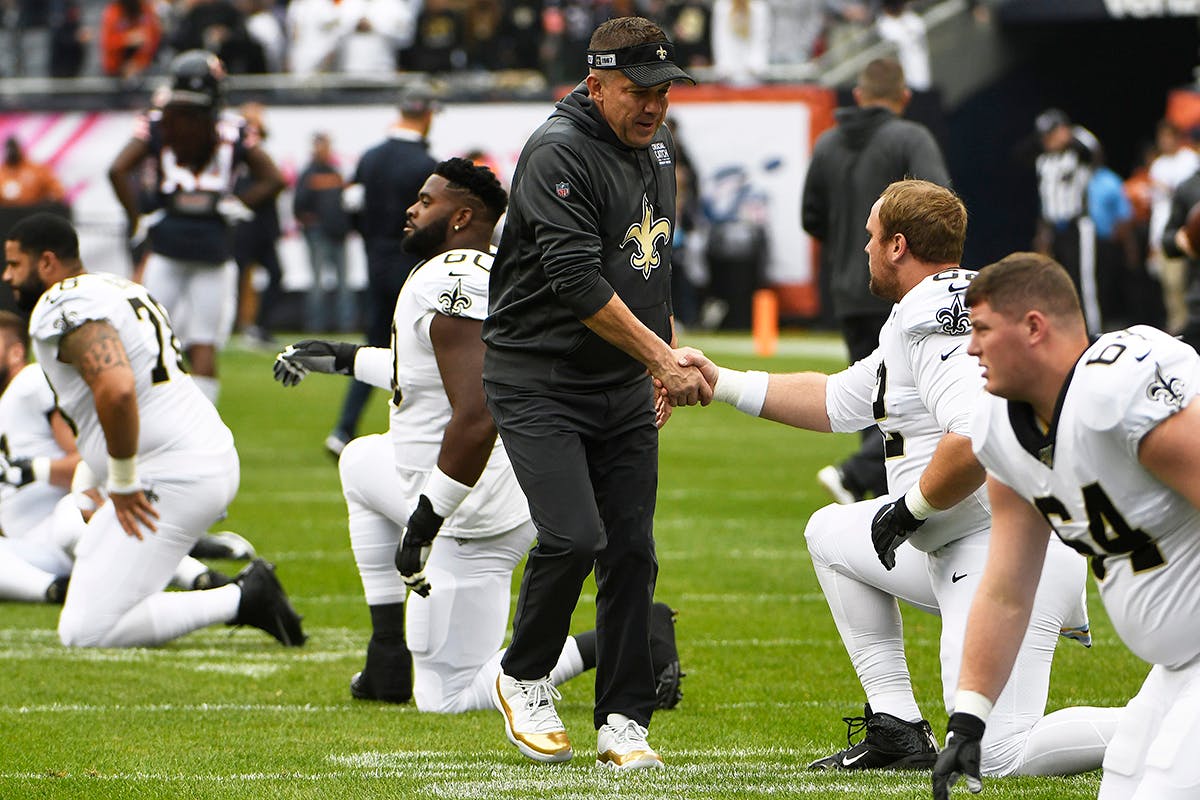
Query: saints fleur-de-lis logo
955, 320
454, 301
67, 321
645, 234
1168, 390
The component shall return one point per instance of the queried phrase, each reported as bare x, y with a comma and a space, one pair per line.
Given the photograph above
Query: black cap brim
647, 75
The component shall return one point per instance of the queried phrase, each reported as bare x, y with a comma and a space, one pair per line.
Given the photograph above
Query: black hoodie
851, 166
587, 217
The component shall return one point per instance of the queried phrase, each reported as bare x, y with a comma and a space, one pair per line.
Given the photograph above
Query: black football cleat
890, 743
387, 675
664, 656
210, 579
264, 604
56, 592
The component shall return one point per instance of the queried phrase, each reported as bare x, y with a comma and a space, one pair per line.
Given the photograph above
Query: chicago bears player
919, 386
41, 520
166, 459
1094, 442
196, 151
448, 520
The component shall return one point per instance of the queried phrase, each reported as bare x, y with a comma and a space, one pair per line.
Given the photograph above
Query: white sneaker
621, 744
831, 478
530, 720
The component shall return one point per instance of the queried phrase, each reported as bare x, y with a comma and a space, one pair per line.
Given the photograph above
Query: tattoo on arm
93, 348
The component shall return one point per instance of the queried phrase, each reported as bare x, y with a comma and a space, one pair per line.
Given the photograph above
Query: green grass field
226, 713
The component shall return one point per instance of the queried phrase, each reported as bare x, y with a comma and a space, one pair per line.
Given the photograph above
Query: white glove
233, 210
353, 197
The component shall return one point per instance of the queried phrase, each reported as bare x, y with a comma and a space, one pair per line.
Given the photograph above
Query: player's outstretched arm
295, 361
995, 628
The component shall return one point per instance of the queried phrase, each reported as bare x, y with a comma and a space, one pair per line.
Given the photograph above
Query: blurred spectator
1117, 262
264, 27
130, 33
898, 24
741, 40
317, 205
687, 23
68, 39
254, 245
313, 33
24, 183
1175, 163
439, 41
568, 26
219, 27
373, 31
845, 23
482, 28
387, 180
795, 28
519, 38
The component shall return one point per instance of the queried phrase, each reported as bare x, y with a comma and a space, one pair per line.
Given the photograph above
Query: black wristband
966, 724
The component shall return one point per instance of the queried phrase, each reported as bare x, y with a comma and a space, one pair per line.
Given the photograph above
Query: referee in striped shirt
1065, 232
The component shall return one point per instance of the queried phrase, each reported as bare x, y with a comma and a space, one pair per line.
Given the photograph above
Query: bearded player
161, 451
187, 213
448, 520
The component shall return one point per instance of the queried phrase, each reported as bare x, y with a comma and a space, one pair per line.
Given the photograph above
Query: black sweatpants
588, 464
864, 470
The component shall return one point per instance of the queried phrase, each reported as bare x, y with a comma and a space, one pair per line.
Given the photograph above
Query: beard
26, 294
426, 241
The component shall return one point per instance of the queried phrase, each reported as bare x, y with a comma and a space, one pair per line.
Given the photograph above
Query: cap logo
662, 53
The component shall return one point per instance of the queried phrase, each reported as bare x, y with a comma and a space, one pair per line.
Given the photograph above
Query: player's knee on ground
78, 628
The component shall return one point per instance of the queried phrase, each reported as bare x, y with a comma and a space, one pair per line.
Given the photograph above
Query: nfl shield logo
562, 189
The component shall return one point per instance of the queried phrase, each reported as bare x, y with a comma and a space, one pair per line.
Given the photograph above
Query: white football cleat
831, 478
530, 719
621, 744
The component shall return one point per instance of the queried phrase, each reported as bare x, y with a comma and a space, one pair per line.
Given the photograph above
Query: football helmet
197, 79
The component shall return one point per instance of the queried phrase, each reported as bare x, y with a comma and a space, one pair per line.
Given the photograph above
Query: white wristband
83, 479
746, 391
445, 494
122, 476
41, 469
917, 504
973, 703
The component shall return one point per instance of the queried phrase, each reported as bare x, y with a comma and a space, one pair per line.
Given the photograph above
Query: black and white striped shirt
1062, 183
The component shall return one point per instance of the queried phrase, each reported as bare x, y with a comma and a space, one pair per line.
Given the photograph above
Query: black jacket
851, 165
587, 217
1187, 194
392, 174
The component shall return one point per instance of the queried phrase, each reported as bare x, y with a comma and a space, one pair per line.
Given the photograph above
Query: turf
226, 713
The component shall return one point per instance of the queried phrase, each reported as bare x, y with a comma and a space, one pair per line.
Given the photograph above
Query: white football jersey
1084, 476
919, 384
454, 283
25, 432
173, 415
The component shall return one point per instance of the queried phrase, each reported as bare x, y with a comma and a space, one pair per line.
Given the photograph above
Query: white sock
186, 573
570, 663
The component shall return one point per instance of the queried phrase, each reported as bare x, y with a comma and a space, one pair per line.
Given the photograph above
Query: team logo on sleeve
1166, 390
67, 321
454, 301
955, 320
646, 234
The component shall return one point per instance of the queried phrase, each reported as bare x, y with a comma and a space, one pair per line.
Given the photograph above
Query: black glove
960, 756
314, 355
16, 471
892, 526
415, 543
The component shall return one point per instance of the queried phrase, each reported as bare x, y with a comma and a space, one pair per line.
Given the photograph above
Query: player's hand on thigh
134, 512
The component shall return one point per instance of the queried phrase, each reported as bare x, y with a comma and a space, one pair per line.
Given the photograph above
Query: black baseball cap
646, 64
